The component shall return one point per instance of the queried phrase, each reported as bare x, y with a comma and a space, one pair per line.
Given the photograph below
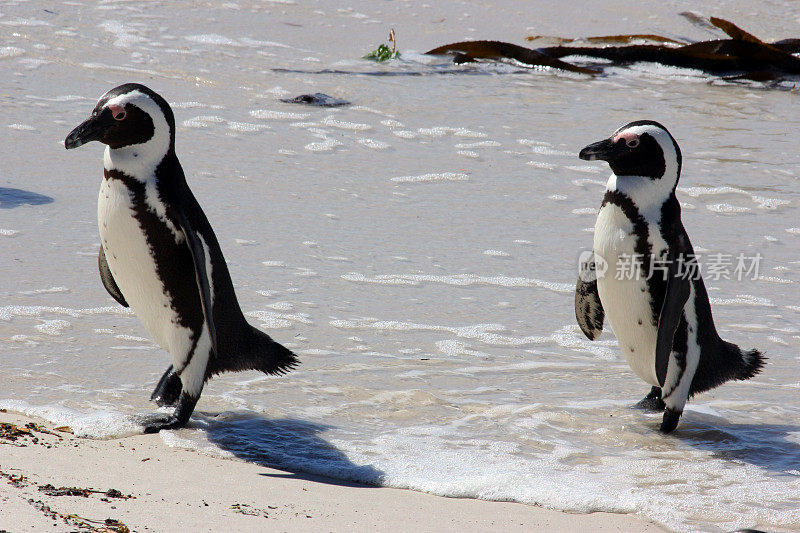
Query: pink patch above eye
117, 111
625, 136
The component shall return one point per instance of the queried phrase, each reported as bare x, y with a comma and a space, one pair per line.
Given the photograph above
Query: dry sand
172, 489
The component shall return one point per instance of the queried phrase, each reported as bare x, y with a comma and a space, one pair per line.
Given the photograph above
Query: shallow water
418, 249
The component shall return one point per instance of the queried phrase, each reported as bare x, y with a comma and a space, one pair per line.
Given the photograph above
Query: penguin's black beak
605, 150
91, 129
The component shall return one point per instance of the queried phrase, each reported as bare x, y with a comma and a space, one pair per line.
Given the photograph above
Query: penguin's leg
675, 392
191, 370
652, 402
683, 361
168, 388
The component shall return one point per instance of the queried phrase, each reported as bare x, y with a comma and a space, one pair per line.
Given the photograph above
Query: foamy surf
95, 424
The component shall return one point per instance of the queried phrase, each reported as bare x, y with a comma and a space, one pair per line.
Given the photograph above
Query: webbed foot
652, 402
155, 422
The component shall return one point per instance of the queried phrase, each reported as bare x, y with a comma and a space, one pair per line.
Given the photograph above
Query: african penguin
159, 255
642, 276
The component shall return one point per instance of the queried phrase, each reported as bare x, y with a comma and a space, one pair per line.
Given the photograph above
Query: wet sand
167, 489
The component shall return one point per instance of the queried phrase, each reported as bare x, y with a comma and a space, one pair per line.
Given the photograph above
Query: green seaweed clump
384, 53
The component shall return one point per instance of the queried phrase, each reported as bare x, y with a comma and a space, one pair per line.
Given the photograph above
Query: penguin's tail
752, 362
253, 350
269, 356
727, 362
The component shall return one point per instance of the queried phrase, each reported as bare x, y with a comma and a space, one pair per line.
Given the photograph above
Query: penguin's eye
632, 143
117, 112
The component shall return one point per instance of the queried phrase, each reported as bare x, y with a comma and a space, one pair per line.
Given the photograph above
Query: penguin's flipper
588, 307
675, 297
108, 279
201, 256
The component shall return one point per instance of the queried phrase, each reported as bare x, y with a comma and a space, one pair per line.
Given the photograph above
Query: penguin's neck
648, 195
139, 161
144, 179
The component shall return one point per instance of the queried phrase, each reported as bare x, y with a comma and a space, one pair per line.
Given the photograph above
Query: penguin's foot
670, 420
168, 389
652, 402
155, 422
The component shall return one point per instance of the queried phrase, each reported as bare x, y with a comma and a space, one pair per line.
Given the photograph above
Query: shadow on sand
293, 446
11, 198
762, 445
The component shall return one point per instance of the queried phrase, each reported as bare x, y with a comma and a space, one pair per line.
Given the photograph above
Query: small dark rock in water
316, 99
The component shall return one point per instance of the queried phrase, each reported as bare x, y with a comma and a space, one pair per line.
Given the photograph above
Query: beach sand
171, 489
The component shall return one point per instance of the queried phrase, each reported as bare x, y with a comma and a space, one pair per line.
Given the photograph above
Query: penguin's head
130, 115
640, 150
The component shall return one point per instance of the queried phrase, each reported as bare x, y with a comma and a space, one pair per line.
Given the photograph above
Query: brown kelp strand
472, 50
740, 56
606, 39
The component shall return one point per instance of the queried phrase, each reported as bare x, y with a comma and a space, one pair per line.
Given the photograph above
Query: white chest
623, 288
131, 261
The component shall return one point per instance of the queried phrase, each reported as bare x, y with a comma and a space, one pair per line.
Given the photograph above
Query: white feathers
626, 305
193, 374
209, 272
139, 161
131, 262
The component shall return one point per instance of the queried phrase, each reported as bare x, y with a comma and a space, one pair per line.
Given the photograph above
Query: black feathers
588, 307
646, 159
108, 279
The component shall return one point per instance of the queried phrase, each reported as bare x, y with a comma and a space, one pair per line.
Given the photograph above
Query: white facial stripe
662, 138
139, 160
